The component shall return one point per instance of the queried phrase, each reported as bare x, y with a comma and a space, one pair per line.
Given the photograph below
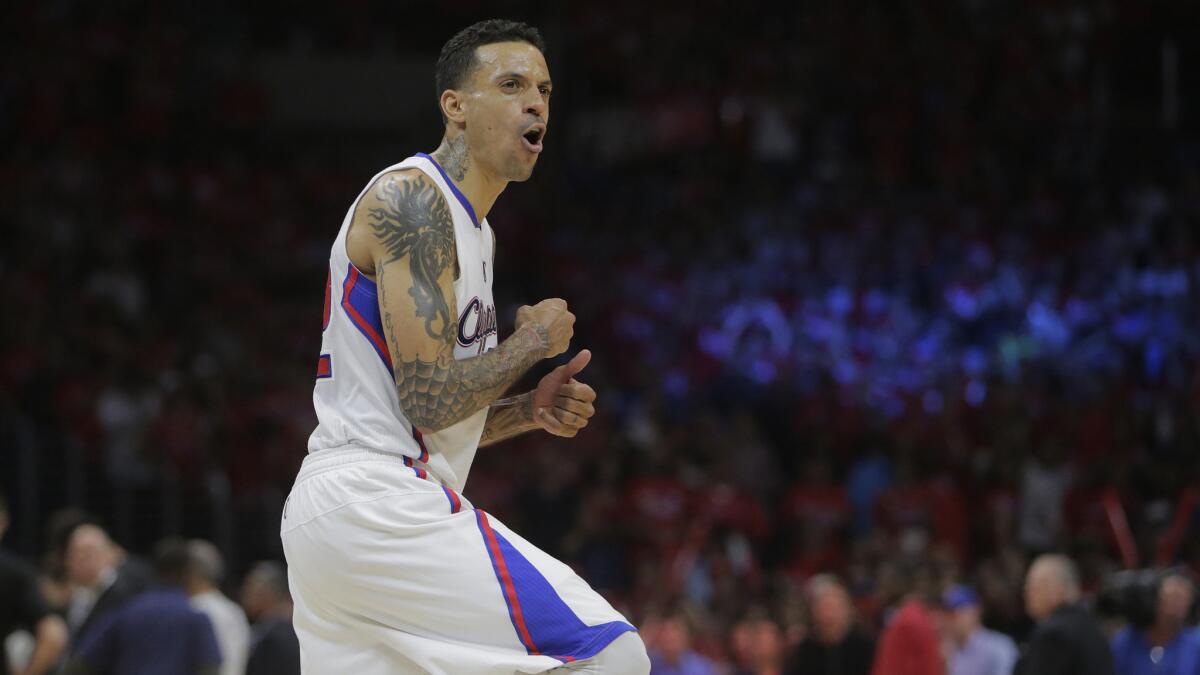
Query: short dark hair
274, 577
457, 59
171, 560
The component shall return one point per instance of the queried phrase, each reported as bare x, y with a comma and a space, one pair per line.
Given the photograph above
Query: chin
520, 174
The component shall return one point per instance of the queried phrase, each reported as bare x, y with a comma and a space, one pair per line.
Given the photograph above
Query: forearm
51, 639
437, 394
509, 418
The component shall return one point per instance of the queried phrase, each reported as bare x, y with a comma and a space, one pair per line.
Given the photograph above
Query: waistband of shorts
332, 458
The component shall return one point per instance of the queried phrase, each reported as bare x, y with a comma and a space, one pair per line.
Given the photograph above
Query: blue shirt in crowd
986, 652
155, 633
690, 663
1134, 655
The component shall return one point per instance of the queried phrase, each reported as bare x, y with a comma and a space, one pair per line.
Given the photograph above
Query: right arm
403, 226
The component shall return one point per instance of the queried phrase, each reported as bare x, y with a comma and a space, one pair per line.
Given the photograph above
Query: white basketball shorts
391, 572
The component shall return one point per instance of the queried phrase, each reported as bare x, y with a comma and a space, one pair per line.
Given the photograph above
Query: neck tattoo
453, 158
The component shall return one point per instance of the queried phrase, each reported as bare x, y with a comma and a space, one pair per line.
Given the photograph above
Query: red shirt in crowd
909, 644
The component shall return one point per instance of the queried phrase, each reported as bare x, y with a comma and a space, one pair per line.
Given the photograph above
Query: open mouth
532, 138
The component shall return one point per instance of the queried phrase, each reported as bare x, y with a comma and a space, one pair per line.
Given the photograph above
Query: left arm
560, 404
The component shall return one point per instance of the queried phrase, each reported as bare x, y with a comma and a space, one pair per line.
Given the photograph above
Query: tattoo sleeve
413, 221
508, 418
437, 394
415, 235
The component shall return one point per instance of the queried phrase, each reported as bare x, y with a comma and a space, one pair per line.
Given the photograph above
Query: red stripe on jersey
361, 322
421, 442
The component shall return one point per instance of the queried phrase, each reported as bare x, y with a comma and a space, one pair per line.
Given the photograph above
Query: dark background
860, 278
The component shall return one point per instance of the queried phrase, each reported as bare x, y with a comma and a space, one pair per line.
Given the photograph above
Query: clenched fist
553, 316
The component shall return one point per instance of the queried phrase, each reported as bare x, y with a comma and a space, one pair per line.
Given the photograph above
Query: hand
561, 404
553, 317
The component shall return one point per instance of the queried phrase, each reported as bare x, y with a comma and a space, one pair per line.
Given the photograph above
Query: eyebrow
519, 76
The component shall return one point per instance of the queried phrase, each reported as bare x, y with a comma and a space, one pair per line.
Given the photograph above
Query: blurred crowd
871, 290
94, 608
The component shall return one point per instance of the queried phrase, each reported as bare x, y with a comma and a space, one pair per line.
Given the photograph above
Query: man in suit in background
99, 584
1068, 639
274, 648
836, 645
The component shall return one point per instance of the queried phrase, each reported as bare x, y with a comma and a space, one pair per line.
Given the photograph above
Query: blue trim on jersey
421, 473
455, 503
555, 629
453, 188
361, 304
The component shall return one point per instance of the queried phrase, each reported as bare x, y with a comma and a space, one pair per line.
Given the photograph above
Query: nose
536, 104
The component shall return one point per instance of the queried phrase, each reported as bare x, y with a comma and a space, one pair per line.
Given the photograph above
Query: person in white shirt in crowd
205, 571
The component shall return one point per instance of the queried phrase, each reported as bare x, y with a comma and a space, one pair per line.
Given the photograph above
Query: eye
510, 85
545, 91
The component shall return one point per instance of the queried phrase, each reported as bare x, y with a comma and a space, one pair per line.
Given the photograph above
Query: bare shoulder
402, 212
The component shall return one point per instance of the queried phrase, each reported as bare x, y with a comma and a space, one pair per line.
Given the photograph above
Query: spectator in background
909, 644
155, 633
834, 644
22, 607
973, 649
671, 652
274, 649
1067, 640
61, 525
205, 570
757, 646
98, 586
1168, 646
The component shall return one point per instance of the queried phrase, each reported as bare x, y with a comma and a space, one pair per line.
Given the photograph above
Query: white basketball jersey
355, 395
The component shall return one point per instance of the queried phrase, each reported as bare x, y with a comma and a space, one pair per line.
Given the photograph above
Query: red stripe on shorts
506, 582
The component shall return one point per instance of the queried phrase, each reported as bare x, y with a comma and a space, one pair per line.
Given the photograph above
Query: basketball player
392, 569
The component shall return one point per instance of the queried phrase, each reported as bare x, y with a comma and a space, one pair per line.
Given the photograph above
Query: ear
453, 104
